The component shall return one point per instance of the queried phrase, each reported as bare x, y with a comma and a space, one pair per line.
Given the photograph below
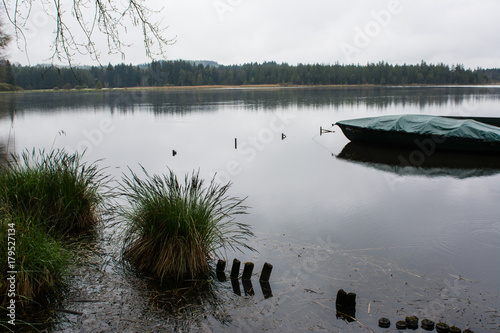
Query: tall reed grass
173, 228
55, 188
40, 260
46, 196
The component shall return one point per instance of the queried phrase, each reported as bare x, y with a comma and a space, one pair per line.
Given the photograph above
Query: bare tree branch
92, 18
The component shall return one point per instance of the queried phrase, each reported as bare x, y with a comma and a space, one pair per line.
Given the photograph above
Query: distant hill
195, 63
205, 63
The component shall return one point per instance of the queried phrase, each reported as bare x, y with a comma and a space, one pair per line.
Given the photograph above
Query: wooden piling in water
235, 270
351, 301
266, 272
221, 266
247, 271
346, 305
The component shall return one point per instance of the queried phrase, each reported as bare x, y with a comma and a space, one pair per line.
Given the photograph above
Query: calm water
415, 240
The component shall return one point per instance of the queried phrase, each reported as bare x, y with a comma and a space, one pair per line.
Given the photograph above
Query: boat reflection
423, 162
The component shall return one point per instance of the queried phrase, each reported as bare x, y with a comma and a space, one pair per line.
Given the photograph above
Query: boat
426, 133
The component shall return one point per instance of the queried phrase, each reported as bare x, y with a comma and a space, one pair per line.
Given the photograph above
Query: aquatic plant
44, 196
173, 228
39, 260
54, 188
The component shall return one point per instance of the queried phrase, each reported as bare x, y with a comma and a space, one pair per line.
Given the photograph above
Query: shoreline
248, 87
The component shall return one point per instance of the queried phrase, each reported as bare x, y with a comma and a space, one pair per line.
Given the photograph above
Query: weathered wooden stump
221, 276
384, 322
221, 266
427, 324
442, 328
346, 305
247, 271
412, 322
266, 272
235, 270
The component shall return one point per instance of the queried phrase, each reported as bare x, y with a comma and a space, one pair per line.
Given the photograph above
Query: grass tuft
45, 196
40, 260
55, 188
173, 228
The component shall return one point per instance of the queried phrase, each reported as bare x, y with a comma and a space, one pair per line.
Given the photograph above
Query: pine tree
9, 74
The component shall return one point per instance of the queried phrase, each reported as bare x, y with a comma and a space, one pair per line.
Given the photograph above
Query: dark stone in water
384, 322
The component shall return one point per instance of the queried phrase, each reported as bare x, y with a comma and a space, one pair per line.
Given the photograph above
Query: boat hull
425, 142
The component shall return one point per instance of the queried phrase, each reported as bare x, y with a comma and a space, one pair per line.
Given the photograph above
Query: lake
419, 240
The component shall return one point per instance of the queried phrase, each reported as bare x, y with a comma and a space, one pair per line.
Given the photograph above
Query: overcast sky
313, 31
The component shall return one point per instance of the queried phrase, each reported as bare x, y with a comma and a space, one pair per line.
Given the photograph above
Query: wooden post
346, 305
235, 270
221, 276
219, 270
266, 272
221, 266
341, 298
247, 271
235, 143
351, 301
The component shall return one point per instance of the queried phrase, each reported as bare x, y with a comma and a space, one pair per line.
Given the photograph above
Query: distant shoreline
245, 87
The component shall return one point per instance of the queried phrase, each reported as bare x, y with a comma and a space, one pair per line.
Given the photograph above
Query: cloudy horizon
239, 31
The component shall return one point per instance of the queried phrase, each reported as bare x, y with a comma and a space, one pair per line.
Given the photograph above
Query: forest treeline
186, 73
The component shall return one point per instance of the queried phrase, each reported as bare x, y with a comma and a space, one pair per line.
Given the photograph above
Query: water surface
421, 240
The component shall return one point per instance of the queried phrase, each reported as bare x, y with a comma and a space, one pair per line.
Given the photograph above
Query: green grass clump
173, 228
44, 197
39, 260
55, 188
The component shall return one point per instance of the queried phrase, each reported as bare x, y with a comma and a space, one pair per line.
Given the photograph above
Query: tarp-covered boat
426, 133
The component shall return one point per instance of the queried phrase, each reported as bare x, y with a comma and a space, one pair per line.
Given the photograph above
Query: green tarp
429, 125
